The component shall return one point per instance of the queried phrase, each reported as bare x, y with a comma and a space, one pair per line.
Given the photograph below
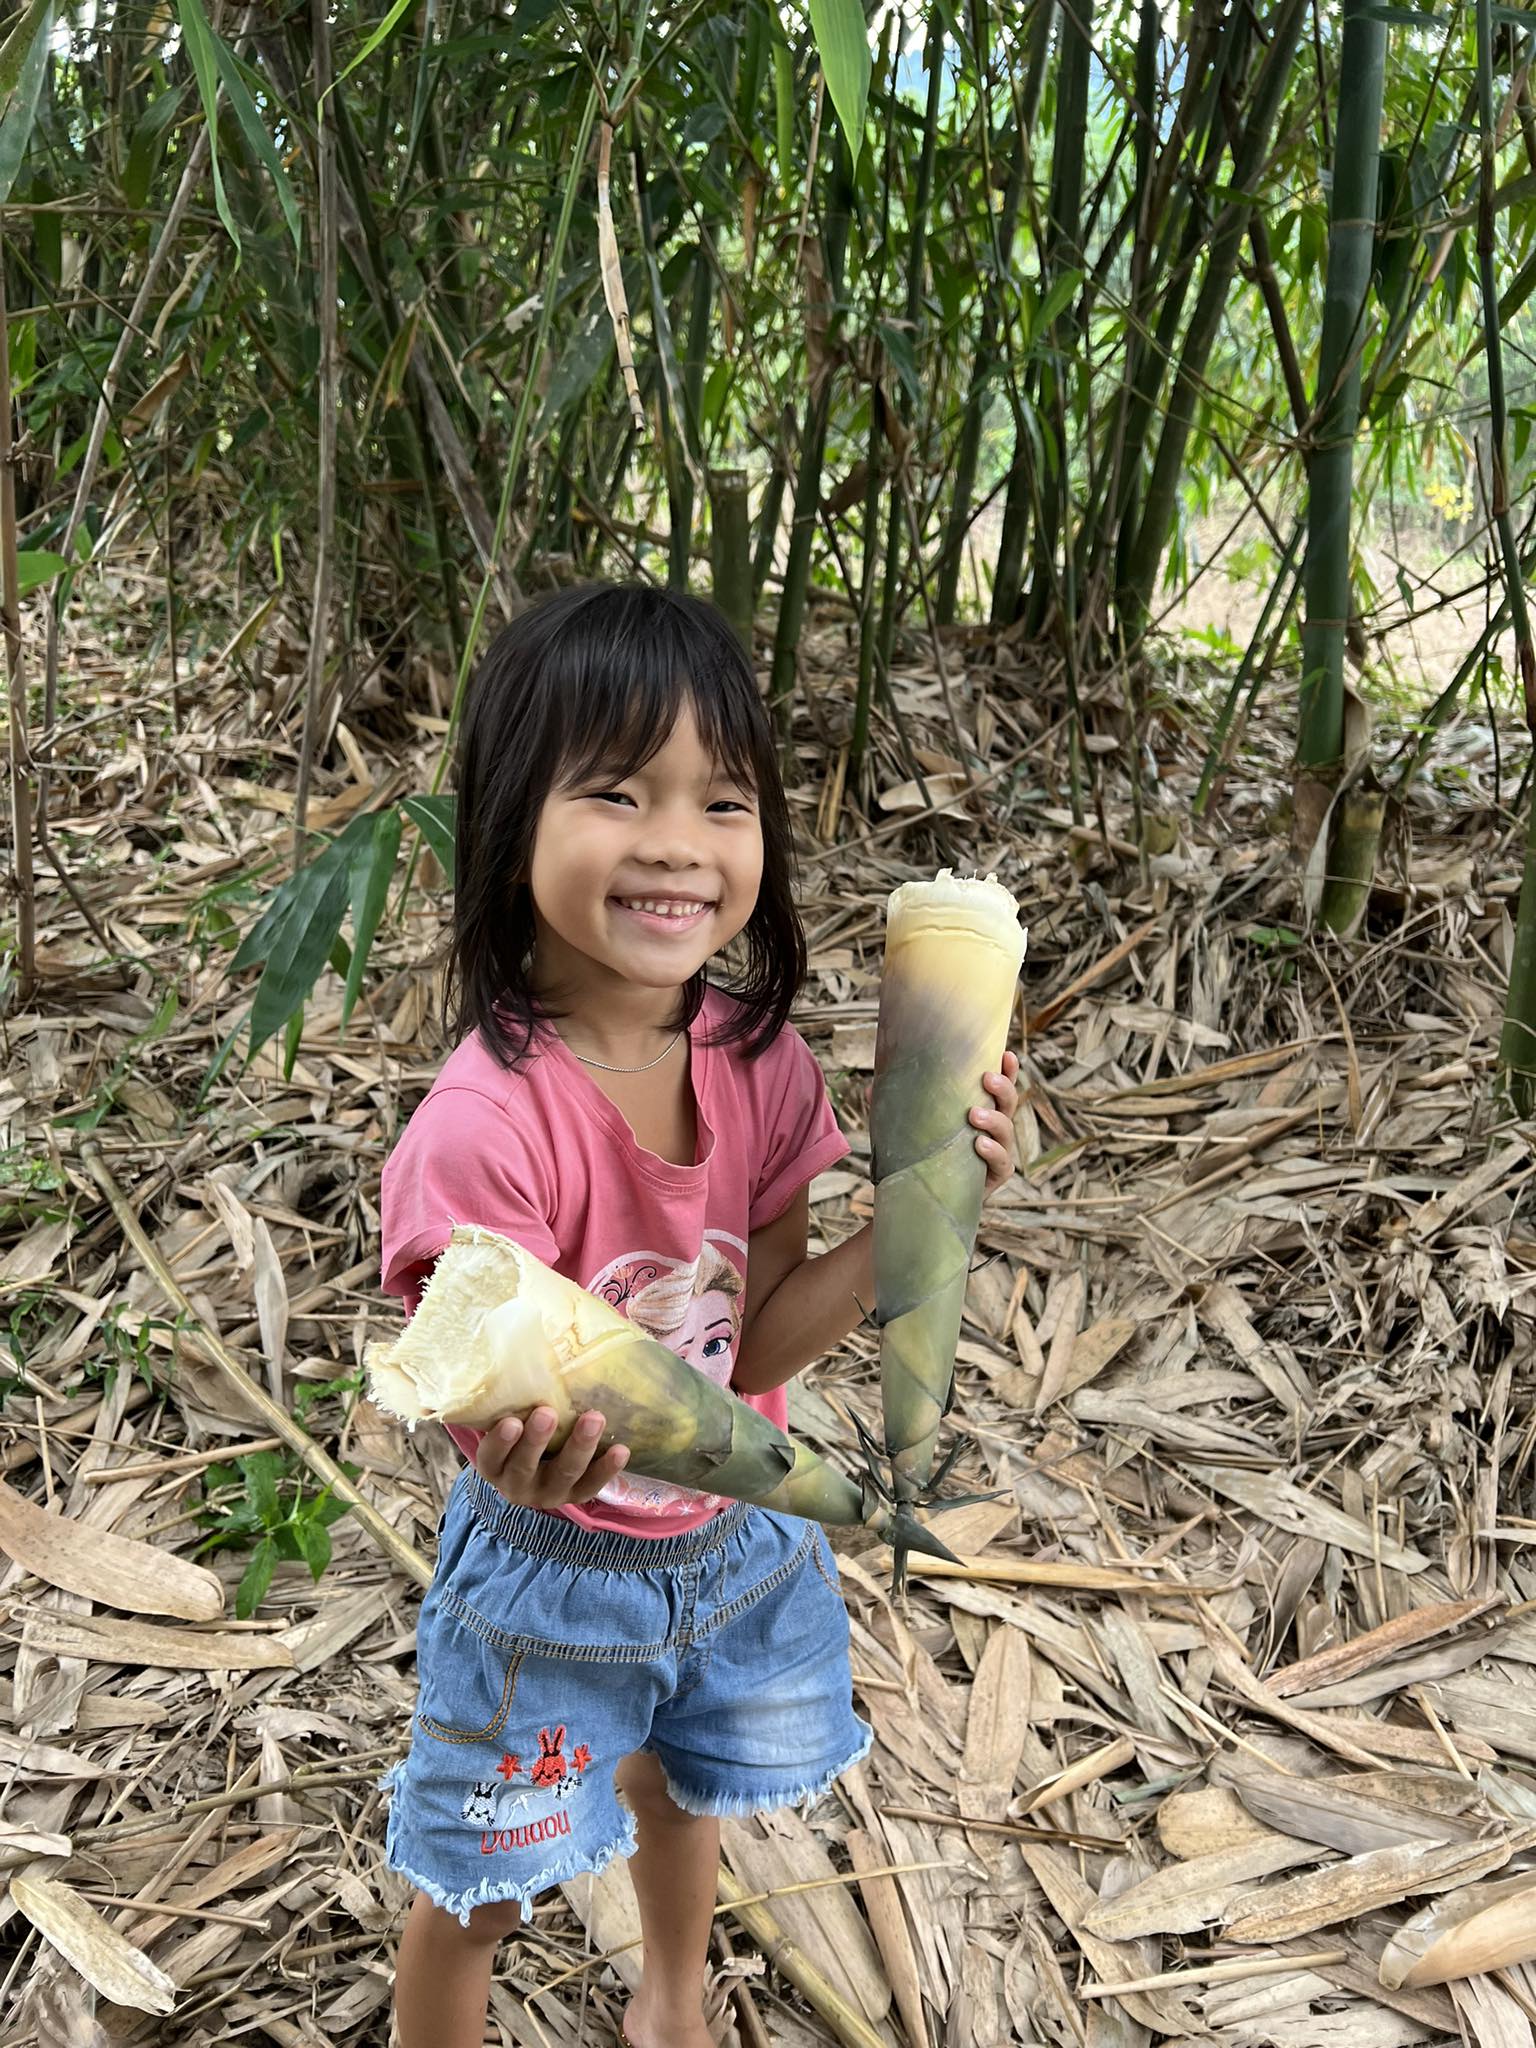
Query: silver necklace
608, 1067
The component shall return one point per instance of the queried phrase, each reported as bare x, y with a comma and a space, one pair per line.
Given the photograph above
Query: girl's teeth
661, 909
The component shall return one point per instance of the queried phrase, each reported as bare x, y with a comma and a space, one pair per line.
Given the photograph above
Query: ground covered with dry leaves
1230, 1713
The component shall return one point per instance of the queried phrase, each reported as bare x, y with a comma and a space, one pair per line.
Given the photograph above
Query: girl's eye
609, 796
728, 804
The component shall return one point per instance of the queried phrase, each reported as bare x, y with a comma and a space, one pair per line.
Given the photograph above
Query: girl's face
642, 880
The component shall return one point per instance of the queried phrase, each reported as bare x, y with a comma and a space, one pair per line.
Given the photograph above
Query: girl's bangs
612, 732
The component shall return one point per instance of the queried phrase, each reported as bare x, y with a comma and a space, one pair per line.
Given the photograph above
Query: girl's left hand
996, 1140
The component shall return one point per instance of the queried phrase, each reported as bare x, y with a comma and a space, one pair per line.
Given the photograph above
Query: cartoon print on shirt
694, 1307
510, 1816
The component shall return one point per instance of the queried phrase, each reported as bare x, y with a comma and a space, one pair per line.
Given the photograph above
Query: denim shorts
547, 1653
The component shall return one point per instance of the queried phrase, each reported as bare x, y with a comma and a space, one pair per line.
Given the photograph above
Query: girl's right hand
510, 1457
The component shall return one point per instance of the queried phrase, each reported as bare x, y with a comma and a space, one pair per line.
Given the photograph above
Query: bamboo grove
960, 313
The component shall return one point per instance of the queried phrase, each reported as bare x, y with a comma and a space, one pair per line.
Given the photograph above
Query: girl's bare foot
646, 2024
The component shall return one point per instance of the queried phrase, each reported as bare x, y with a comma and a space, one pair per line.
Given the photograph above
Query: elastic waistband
563, 1541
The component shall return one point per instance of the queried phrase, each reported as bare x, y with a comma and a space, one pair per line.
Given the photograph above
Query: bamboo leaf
783, 98
296, 933
107, 1961
381, 34
433, 817
842, 41
35, 566
214, 64
198, 38
1056, 300
21, 109
373, 865
584, 356
254, 130
19, 44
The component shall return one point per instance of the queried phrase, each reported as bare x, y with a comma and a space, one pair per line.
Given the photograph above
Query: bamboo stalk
1029, 1571
1063, 252
183, 1461
23, 769
984, 365
613, 278
519, 437
917, 265
328, 402
1330, 470
813, 441
1146, 551
850, 2027
875, 462
730, 549
1220, 1973
1517, 1039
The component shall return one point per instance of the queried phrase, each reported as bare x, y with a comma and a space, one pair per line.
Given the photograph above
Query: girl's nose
669, 841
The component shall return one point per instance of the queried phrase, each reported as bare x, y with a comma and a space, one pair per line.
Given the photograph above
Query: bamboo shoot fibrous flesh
499, 1333
953, 949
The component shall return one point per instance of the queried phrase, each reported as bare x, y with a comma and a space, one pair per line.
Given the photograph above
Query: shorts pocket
822, 1555
467, 1693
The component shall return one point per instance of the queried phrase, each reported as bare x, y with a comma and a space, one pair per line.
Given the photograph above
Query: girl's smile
670, 914
637, 880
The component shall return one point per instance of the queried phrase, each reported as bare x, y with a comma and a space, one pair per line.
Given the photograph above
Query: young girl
653, 1137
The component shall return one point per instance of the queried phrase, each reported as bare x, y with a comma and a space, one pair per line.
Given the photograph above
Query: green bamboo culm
917, 263
730, 549
1249, 156
813, 441
1517, 1041
1063, 252
1336, 412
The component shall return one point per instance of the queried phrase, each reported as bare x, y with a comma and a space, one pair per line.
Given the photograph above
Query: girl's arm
799, 1307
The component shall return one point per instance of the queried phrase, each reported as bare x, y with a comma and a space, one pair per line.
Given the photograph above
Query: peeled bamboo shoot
952, 954
498, 1333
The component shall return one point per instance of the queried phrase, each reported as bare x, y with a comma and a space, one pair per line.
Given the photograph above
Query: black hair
593, 679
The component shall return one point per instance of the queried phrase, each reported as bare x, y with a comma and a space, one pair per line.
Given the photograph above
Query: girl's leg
673, 1869
443, 1973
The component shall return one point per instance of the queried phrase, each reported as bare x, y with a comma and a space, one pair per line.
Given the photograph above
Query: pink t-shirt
543, 1157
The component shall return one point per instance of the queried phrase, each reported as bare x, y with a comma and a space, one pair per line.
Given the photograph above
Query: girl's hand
510, 1456
996, 1140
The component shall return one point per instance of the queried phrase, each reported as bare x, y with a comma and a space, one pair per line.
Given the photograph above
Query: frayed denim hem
492, 1891
736, 1805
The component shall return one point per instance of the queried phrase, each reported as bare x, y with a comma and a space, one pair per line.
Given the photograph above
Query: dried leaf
1480, 1928
1402, 1632
995, 1727
116, 1571
1163, 2011
112, 1965
1191, 1895
888, 1922
170, 1649
1346, 1813
1362, 1884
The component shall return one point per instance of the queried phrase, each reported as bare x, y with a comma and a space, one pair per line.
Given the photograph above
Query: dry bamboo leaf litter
1326, 1278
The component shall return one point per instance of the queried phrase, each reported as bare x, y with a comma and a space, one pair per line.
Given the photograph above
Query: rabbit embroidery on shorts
495, 1807
549, 1772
